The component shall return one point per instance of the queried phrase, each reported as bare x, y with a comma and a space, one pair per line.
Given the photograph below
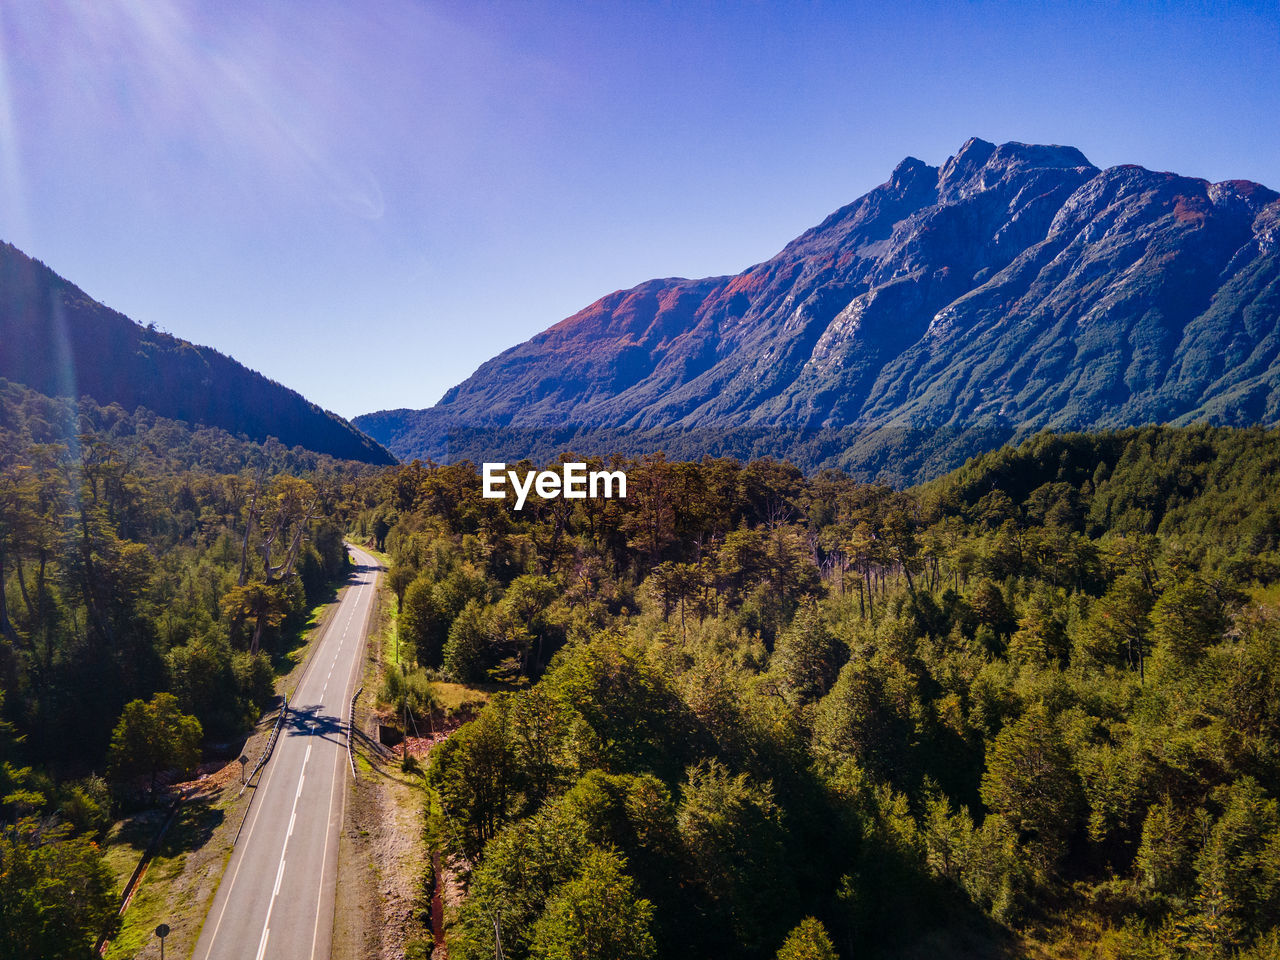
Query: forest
1028, 708
151, 576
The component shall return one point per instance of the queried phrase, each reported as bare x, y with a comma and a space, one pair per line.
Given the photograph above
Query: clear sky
365, 201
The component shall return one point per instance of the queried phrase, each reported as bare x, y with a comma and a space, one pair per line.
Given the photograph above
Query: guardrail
271, 743
351, 723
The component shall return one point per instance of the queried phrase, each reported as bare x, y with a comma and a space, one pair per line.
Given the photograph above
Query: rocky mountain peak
967, 163
980, 165
1014, 288
911, 173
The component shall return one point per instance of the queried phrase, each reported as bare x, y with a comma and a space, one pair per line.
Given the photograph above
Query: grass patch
1268, 596
451, 696
173, 891
385, 627
127, 840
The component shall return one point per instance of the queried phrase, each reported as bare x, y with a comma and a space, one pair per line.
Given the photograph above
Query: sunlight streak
211, 93
13, 205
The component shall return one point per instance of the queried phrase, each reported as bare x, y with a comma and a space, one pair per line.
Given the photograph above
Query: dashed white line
279, 876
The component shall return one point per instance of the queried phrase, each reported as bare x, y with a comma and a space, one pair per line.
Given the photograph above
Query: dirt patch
426, 735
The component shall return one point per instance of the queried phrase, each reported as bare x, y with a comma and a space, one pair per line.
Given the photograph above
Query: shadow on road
360, 568
308, 721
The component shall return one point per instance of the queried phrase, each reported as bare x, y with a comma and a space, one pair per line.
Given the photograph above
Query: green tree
595, 916
1030, 781
1116, 631
992, 611
154, 736
732, 833
1185, 621
676, 585
423, 626
466, 650
540, 726
56, 894
808, 655
1041, 637
1163, 862
808, 941
266, 605
861, 720
475, 776
398, 579
525, 604
1239, 866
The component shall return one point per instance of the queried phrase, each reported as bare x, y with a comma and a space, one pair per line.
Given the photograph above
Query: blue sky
366, 201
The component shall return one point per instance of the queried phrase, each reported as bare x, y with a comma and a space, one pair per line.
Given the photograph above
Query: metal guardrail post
351, 723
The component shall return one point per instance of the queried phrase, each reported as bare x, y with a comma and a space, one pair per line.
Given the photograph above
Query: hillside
1028, 710
1014, 288
59, 341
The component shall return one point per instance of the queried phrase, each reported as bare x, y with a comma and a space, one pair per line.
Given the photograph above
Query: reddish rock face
1014, 288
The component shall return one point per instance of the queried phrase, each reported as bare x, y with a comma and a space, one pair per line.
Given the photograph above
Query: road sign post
162, 931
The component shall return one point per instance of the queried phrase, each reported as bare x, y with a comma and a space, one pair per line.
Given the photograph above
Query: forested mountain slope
1012, 289
1027, 710
57, 340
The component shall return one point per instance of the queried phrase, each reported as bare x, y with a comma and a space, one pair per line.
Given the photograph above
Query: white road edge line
275, 891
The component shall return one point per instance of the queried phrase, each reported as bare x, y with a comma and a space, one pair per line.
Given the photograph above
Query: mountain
1014, 288
57, 340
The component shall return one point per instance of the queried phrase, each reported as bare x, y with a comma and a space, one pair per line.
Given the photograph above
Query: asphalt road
276, 897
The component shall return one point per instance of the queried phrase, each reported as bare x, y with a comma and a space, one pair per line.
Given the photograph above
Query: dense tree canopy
818, 718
